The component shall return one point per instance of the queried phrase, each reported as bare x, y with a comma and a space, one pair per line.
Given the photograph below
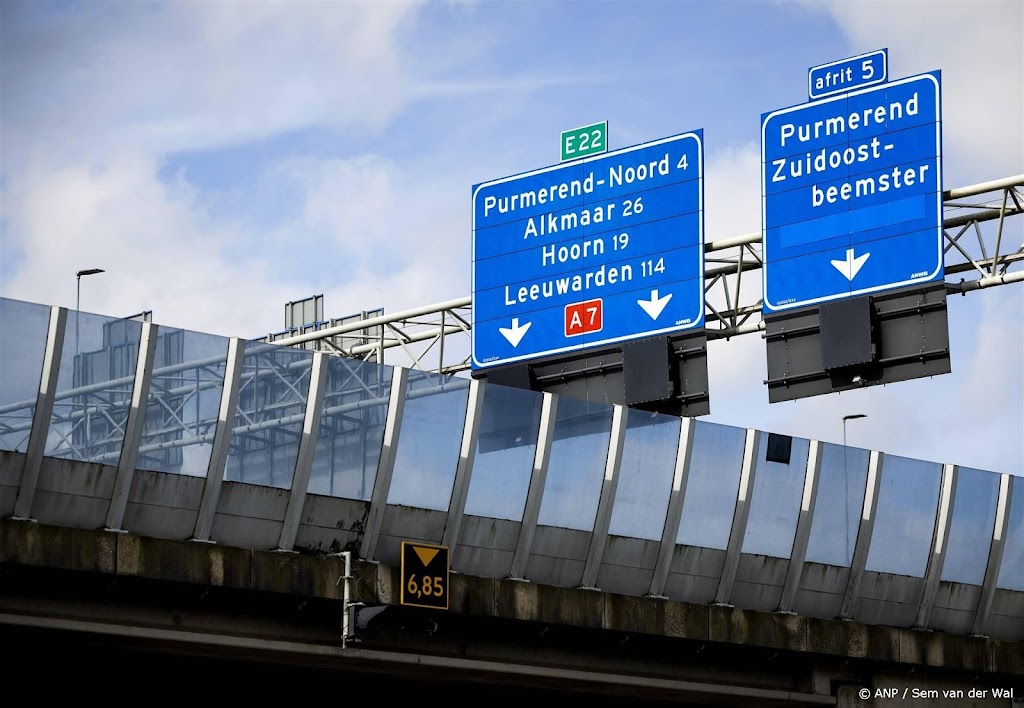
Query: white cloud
404, 243
158, 251
190, 75
95, 100
977, 46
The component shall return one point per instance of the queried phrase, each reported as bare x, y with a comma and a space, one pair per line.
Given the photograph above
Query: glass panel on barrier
841, 484
970, 528
429, 441
711, 490
1011, 572
22, 348
268, 420
775, 498
351, 431
183, 403
94, 387
505, 446
576, 467
645, 477
908, 499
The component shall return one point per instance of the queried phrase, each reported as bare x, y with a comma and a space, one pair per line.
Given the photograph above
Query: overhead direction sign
425, 574
588, 253
852, 194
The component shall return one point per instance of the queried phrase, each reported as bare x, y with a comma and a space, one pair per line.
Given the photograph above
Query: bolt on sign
424, 575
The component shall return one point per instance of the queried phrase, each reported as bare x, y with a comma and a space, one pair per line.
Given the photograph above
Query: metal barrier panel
577, 464
221, 440
908, 500
970, 531
464, 472
1011, 572
713, 483
645, 476
638, 518
22, 346
505, 447
348, 446
843, 478
775, 501
126, 463
386, 468
94, 388
428, 448
183, 403
268, 420
606, 502
304, 458
538, 480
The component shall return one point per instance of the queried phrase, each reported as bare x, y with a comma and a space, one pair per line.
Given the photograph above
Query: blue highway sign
852, 194
847, 74
589, 253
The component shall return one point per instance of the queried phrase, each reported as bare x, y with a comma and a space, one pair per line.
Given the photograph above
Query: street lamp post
78, 296
850, 417
78, 307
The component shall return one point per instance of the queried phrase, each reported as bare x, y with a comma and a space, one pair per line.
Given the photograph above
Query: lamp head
89, 271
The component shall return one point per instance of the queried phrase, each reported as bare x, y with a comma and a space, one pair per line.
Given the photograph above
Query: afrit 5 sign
852, 193
589, 253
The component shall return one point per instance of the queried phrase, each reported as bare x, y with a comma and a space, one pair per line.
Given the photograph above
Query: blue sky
219, 159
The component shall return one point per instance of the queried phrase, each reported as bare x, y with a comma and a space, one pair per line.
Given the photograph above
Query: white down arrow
655, 305
515, 333
851, 266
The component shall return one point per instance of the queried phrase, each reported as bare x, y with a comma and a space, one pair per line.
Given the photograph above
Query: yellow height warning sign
424, 575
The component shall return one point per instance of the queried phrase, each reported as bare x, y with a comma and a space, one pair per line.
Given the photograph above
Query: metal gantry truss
88, 421
979, 254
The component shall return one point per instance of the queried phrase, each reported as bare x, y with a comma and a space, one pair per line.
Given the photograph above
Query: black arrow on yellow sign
424, 575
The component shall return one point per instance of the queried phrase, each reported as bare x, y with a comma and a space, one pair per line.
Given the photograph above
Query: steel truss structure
89, 420
979, 254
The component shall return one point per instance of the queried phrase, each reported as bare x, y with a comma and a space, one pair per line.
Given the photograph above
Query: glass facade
506, 445
21, 365
714, 480
837, 510
94, 388
429, 441
576, 467
351, 432
645, 477
775, 499
971, 526
268, 420
184, 400
1011, 572
908, 500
